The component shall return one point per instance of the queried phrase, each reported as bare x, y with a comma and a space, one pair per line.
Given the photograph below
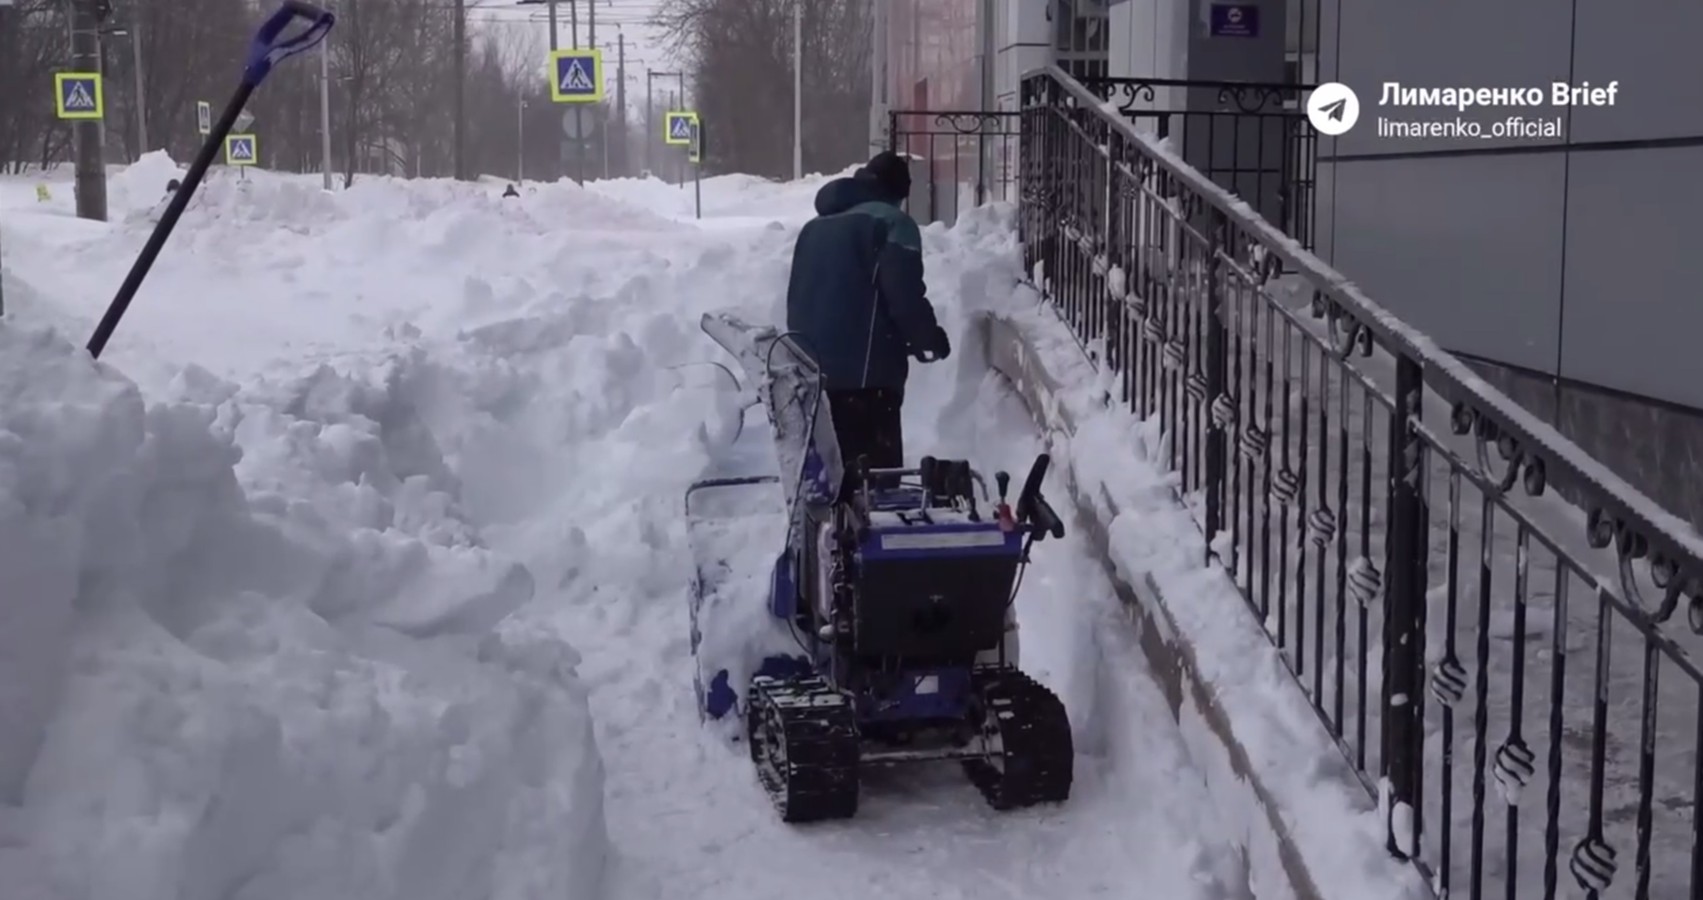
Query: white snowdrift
303, 689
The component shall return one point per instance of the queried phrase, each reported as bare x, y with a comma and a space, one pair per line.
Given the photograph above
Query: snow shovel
268, 48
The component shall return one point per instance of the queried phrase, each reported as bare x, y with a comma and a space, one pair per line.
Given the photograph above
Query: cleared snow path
684, 808
520, 354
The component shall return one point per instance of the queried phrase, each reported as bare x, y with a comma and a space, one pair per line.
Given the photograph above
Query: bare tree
391, 88
741, 52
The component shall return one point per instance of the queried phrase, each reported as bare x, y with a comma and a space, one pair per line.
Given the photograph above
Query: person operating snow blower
856, 301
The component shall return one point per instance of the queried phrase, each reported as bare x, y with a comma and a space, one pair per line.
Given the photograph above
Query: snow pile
1117, 461
722, 195
290, 691
142, 184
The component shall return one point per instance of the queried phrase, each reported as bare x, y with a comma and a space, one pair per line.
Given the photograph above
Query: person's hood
842, 194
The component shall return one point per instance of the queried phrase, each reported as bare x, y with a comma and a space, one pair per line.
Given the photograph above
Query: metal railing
956, 156
1465, 635
1251, 138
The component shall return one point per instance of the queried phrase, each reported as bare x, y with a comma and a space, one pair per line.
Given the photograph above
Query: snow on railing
1392, 519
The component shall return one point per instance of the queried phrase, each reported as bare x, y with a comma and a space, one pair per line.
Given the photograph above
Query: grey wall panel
1324, 207
1467, 249
1328, 10
1634, 308
1448, 43
1650, 47
1257, 58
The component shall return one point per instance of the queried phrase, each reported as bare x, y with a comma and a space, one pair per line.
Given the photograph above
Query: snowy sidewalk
453, 410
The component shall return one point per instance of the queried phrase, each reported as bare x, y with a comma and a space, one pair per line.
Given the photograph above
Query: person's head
891, 174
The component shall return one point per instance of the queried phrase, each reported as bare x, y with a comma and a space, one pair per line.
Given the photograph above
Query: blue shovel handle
270, 48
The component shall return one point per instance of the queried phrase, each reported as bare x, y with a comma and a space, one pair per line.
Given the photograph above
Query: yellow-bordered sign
77, 95
576, 76
242, 150
678, 126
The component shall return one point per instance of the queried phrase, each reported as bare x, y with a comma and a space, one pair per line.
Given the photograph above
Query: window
1081, 36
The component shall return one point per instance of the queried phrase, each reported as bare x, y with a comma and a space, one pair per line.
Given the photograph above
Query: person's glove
939, 347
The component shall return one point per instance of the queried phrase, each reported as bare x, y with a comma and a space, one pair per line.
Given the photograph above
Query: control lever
1002, 512
1032, 508
1046, 520
964, 485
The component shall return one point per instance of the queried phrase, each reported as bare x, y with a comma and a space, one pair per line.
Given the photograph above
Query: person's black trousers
867, 423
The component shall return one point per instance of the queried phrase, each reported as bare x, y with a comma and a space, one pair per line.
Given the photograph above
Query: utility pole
797, 89
601, 124
90, 168
325, 110
7, 10
579, 108
878, 79
520, 142
460, 36
621, 100
141, 83
650, 115
553, 44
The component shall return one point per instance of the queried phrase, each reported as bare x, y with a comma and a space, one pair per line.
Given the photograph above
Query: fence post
1217, 372
1405, 560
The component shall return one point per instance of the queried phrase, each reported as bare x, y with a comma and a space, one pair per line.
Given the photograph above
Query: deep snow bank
304, 688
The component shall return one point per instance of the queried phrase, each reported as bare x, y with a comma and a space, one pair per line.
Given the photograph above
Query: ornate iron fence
1459, 629
1251, 138
964, 154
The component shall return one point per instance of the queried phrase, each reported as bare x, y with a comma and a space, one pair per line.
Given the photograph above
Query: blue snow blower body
892, 637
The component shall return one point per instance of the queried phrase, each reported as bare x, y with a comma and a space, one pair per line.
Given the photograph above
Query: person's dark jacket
856, 297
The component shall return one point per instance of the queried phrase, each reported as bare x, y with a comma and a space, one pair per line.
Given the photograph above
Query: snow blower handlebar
268, 48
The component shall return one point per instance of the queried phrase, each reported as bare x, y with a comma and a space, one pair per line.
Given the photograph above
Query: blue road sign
576, 76
242, 150
677, 128
77, 95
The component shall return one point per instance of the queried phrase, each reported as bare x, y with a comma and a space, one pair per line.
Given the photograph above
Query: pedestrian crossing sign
241, 150
677, 128
203, 117
77, 95
576, 76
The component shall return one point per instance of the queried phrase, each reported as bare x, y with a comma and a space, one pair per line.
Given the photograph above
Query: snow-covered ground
355, 567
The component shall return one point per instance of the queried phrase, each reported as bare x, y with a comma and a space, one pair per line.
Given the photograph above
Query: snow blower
897, 603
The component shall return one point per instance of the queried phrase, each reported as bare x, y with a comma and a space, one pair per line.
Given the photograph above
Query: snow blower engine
899, 594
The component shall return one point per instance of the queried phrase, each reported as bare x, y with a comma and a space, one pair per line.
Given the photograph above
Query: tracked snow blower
884, 632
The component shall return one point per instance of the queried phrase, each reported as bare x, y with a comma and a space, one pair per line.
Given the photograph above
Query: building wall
1567, 269
1573, 257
